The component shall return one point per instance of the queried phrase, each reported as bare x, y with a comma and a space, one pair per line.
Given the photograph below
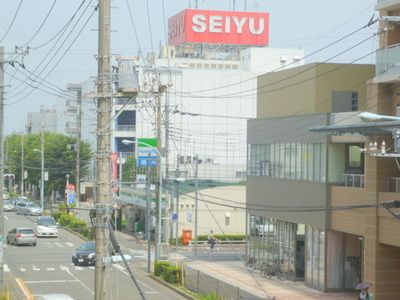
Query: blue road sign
174, 217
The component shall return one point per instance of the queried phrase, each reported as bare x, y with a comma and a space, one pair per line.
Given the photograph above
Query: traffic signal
9, 176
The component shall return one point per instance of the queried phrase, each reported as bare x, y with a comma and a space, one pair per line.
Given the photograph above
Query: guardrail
231, 245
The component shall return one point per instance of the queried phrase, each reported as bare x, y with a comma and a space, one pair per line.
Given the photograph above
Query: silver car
46, 226
8, 205
28, 208
22, 235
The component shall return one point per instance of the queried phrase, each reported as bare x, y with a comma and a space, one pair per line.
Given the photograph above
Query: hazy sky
62, 38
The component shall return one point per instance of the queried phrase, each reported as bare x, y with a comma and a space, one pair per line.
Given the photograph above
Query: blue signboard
146, 147
144, 162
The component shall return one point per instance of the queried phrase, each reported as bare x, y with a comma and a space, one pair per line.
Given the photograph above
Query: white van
46, 226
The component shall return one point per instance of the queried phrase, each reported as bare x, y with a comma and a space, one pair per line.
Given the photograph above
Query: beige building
296, 176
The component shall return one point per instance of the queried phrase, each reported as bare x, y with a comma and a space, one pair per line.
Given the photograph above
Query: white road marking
6, 268
65, 268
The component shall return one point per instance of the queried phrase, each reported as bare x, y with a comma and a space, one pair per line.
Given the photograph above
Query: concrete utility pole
159, 175
103, 185
2, 169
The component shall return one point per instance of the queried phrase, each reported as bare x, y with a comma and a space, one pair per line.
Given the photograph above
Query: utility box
186, 235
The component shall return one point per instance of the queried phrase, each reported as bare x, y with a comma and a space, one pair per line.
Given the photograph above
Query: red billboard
219, 27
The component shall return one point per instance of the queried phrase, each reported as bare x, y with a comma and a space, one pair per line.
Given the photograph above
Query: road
47, 268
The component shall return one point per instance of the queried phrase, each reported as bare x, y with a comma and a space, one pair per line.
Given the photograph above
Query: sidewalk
236, 274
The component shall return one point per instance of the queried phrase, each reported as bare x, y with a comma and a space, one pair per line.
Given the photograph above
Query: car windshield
7, 202
32, 205
88, 246
26, 231
48, 222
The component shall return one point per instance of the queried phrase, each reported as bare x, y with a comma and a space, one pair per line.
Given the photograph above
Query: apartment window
294, 161
343, 101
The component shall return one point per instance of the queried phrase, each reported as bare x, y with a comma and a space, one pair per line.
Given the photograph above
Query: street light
42, 179
126, 142
371, 117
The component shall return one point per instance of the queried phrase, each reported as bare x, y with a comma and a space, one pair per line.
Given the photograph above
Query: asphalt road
47, 268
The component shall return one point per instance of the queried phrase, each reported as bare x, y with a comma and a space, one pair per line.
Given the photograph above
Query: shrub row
170, 274
70, 221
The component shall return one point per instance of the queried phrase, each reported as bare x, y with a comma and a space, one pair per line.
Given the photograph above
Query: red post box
186, 236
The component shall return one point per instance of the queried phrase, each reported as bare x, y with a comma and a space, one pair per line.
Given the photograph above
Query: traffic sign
174, 217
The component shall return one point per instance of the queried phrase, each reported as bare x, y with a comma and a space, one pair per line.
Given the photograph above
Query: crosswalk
50, 244
34, 268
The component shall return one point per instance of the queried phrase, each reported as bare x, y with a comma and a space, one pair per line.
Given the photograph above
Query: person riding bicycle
211, 239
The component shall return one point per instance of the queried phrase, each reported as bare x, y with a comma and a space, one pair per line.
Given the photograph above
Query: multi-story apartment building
45, 120
296, 177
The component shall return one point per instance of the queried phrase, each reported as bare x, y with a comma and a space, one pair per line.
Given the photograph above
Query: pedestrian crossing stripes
50, 244
53, 269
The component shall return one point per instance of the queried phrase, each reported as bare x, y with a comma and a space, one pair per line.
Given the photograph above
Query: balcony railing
125, 127
393, 185
352, 180
388, 61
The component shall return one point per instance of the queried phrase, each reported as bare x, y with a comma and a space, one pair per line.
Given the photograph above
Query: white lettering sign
221, 24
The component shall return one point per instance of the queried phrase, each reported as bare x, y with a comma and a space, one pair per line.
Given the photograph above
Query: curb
170, 286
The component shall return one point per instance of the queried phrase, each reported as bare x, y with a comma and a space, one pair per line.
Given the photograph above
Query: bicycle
289, 275
251, 264
140, 235
268, 271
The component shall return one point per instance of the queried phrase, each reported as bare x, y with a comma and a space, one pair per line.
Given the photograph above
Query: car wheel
17, 212
29, 213
8, 241
34, 244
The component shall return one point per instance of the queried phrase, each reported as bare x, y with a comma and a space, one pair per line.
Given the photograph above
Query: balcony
387, 5
352, 180
388, 64
125, 128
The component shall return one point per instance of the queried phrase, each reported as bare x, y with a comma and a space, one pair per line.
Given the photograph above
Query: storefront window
272, 240
315, 257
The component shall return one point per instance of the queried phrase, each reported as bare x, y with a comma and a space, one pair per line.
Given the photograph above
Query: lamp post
159, 185
371, 117
42, 179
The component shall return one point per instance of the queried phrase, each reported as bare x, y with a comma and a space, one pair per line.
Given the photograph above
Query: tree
130, 171
59, 159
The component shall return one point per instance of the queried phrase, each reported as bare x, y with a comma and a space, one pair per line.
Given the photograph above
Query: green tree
130, 170
59, 159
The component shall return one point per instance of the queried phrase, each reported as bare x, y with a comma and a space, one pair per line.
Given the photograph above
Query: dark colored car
85, 254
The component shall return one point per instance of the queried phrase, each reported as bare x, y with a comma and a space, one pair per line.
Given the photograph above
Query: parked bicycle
251, 264
268, 271
289, 275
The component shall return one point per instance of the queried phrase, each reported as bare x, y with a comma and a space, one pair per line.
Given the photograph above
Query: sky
57, 40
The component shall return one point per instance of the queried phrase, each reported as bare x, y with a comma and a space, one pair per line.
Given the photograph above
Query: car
6, 195
21, 236
46, 226
17, 199
28, 208
8, 206
85, 254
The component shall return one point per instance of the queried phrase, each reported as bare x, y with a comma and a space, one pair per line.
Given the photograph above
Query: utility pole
196, 207
2, 169
103, 185
177, 202
22, 188
159, 190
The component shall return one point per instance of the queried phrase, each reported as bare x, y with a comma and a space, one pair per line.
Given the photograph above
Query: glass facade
272, 240
295, 161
